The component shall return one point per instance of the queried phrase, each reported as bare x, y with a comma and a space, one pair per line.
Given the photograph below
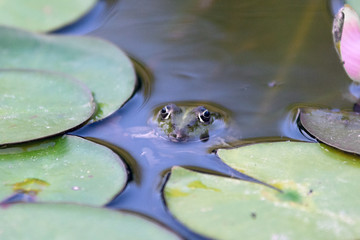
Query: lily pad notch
312, 205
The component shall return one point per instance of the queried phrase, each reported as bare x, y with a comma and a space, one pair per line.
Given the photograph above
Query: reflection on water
259, 59
229, 51
102, 11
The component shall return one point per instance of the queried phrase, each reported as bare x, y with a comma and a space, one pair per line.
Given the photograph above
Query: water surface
260, 60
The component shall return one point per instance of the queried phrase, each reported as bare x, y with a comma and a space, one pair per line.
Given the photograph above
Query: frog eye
165, 112
204, 116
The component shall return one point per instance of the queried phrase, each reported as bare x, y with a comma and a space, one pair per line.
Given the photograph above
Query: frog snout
178, 135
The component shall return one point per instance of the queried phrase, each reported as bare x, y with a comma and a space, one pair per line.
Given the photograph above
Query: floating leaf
37, 104
42, 15
65, 221
319, 199
66, 169
346, 33
103, 67
339, 129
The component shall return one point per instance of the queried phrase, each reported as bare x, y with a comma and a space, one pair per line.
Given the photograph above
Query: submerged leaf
65, 221
338, 129
318, 199
42, 15
103, 67
66, 169
37, 104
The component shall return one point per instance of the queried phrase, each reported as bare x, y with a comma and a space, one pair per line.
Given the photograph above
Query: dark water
258, 60
98, 16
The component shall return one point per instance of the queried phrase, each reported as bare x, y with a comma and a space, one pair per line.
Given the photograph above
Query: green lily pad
319, 198
338, 129
66, 169
66, 221
42, 15
103, 67
37, 104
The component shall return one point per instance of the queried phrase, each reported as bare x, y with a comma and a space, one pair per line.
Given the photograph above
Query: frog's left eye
165, 112
204, 116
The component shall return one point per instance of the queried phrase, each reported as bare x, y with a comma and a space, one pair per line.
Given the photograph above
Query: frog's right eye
204, 116
165, 112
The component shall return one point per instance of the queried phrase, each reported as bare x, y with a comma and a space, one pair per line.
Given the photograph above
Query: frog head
186, 123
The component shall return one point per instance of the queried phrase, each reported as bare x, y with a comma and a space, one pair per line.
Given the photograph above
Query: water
101, 12
259, 60
149, 158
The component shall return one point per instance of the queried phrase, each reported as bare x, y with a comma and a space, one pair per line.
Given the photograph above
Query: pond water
257, 60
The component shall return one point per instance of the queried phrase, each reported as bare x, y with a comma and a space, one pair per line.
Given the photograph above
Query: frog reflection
186, 123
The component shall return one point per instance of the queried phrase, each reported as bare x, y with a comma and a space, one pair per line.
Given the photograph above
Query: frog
188, 123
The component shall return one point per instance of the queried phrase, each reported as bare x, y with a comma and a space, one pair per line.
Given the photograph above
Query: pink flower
346, 33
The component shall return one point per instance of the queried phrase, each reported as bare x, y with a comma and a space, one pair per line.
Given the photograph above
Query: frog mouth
176, 137
179, 136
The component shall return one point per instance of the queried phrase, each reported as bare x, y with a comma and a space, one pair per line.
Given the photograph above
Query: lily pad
65, 221
318, 199
43, 15
103, 67
37, 104
66, 169
339, 129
